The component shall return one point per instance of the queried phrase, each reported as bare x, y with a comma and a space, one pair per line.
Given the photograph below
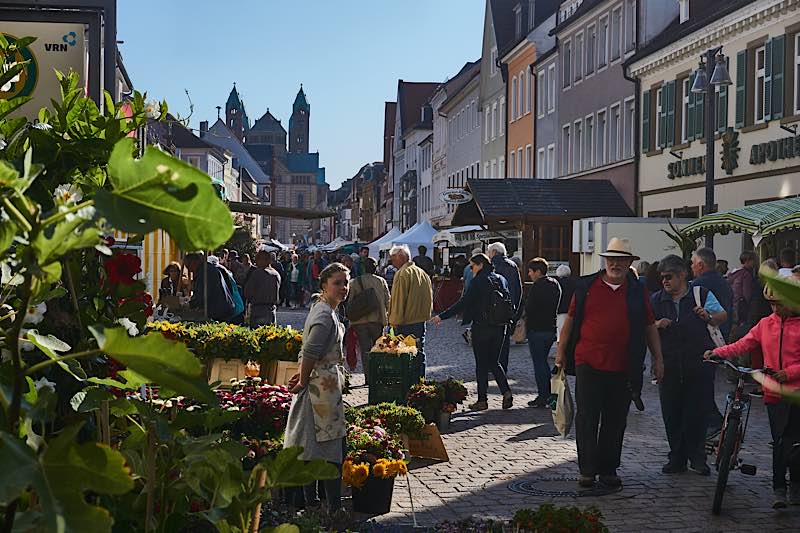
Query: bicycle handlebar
738, 369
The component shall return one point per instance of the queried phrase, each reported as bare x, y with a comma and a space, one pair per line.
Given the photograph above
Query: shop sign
786, 148
690, 166
455, 196
58, 46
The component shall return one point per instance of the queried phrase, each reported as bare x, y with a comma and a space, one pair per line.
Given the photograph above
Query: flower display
356, 474
396, 344
266, 407
428, 396
67, 194
227, 341
368, 444
122, 268
395, 419
35, 313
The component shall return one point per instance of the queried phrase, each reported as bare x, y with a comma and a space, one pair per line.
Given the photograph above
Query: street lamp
712, 59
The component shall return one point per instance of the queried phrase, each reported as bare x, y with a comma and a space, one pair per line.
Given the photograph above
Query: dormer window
684, 9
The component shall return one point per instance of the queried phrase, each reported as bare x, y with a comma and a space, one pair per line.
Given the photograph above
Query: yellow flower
402, 468
379, 470
289, 346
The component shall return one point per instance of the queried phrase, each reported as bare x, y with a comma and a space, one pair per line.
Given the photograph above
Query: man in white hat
608, 329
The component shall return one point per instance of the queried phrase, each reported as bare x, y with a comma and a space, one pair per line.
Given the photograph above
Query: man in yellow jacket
411, 302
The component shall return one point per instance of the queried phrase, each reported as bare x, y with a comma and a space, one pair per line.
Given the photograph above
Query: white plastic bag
561, 404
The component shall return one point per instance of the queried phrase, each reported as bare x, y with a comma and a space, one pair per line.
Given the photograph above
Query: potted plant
454, 395
399, 420
428, 397
373, 462
548, 517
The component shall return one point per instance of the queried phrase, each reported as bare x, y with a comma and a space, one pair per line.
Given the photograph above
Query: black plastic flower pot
375, 497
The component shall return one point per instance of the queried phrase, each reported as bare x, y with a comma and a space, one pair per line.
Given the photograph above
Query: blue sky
348, 56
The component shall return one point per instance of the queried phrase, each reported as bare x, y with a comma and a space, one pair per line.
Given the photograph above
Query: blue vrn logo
70, 39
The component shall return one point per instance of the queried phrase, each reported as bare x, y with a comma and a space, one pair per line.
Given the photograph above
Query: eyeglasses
666, 277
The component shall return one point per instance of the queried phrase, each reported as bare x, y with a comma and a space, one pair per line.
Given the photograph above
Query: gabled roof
700, 15
584, 8
543, 9
220, 135
467, 73
496, 199
305, 163
182, 137
412, 97
389, 117
503, 22
268, 122
300, 100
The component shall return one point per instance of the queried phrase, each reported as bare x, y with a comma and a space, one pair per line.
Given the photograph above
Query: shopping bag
351, 348
520, 332
561, 403
713, 331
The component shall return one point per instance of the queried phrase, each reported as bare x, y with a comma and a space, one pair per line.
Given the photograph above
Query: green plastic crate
390, 377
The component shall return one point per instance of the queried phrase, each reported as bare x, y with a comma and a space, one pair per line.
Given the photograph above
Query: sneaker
479, 406
637, 401
700, 468
540, 401
586, 481
779, 501
673, 468
508, 400
794, 493
611, 480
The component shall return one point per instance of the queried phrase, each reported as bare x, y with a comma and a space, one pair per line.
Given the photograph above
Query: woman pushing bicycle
778, 337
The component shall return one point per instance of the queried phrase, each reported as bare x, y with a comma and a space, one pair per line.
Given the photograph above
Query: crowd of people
604, 326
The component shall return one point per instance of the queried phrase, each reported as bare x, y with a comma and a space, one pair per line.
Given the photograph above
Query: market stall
375, 246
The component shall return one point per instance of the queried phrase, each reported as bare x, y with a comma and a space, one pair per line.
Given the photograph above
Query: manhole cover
559, 487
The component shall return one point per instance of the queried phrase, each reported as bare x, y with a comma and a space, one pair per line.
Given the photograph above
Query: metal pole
710, 131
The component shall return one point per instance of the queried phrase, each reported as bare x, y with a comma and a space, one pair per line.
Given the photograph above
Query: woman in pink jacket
778, 337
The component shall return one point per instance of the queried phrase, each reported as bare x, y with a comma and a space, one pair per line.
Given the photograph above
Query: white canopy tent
420, 234
338, 242
375, 246
448, 235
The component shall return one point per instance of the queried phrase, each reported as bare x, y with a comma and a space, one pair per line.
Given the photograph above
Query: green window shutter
767, 81
669, 93
646, 122
662, 118
690, 118
741, 73
722, 109
699, 115
778, 81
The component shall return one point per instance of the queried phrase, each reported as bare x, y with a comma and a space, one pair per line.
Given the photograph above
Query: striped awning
761, 220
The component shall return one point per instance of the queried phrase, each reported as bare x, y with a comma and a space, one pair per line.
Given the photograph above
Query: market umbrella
759, 220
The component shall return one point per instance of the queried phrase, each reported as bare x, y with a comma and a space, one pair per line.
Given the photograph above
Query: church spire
299, 124
235, 114
300, 101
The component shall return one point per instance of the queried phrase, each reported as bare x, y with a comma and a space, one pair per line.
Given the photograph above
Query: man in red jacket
778, 337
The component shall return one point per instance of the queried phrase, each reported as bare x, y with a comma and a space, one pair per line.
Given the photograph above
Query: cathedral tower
298, 124
235, 115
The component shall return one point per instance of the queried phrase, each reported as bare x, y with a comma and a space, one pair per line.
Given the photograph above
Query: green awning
759, 219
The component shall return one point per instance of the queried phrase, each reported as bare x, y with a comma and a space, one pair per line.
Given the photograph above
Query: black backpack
501, 308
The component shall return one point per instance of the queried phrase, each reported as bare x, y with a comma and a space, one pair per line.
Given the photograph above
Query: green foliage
242, 239
160, 192
549, 518
395, 419
787, 290
686, 244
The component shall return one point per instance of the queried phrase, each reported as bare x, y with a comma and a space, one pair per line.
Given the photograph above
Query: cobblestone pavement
492, 449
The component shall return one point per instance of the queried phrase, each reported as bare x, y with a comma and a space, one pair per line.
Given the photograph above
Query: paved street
493, 449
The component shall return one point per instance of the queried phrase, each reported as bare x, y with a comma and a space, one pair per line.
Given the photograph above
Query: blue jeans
539, 343
418, 331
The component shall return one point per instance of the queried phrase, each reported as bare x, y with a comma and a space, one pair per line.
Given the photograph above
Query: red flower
109, 240
121, 268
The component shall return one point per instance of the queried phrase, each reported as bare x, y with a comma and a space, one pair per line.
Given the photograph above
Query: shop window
663, 213
686, 212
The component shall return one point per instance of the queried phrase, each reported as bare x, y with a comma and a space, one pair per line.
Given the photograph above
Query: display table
446, 292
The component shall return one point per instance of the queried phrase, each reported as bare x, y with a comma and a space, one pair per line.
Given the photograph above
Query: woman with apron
316, 419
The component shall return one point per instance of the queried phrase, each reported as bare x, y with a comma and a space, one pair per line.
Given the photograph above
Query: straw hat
619, 248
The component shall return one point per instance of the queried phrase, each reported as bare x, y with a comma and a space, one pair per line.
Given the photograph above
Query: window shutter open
646, 122
741, 73
690, 118
768, 81
669, 91
662, 118
778, 66
699, 115
722, 109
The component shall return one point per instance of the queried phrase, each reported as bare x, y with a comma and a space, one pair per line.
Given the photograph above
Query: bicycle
731, 435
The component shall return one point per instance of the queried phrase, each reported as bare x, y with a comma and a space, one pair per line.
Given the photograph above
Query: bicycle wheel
728, 440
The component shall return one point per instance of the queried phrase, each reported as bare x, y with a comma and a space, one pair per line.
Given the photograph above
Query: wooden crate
279, 372
224, 371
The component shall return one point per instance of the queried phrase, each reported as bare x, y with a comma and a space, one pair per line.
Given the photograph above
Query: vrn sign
67, 40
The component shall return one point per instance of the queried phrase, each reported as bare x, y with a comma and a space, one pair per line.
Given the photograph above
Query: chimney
203, 128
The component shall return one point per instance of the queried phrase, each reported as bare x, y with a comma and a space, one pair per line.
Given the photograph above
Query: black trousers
784, 423
603, 400
685, 399
487, 342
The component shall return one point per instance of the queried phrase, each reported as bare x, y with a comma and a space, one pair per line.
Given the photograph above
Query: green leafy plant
686, 244
395, 419
549, 518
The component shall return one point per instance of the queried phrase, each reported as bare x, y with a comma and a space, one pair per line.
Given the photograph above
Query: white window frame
512, 164
486, 169
521, 94
577, 143
566, 69
614, 12
629, 44
614, 147
501, 167
590, 58
528, 89
566, 144
529, 161
758, 91
513, 109
551, 161
629, 125
493, 62
541, 164
659, 108
551, 88
486, 122
601, 141
494, 120
588, 145
541, 93
797, 74
686, 96
502, 116
602, 43
494, 168
577, 57
520, 163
